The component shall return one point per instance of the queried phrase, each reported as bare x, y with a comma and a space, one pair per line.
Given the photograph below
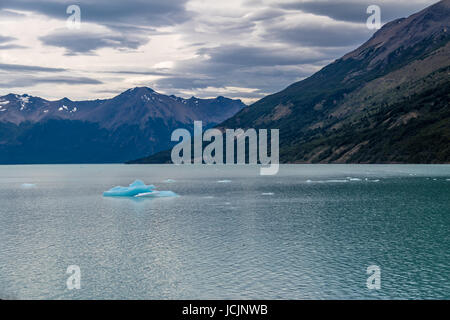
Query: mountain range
133, 124
385, 102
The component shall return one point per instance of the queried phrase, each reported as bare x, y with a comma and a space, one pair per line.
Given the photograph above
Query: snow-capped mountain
135, 123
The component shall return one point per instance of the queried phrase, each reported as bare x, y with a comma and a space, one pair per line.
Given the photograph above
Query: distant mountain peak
142, 89
138, 91
132, 124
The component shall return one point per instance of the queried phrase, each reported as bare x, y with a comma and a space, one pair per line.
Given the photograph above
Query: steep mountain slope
387, 101
135, 123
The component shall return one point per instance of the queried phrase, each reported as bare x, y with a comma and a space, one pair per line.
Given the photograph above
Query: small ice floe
28, 185
224, 181
156, 194
336, 181
327, 181
138, 189
447, 179
375, 180
354, 179
267, 194
169, 181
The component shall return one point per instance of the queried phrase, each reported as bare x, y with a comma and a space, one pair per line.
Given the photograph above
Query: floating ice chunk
138, 189
447, 179
169, 181
28, 185
267, 194
156, 194
224, 181
308, 181
355, 179
134, 189
336, 181
151, 194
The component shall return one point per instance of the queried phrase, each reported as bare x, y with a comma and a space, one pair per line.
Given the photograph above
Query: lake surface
309, 232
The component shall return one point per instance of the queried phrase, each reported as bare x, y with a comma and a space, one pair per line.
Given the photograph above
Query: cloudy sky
236, 48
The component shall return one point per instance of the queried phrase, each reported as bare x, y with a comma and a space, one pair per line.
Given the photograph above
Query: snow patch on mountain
23, 100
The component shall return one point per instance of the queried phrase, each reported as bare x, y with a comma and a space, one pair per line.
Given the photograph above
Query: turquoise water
309, 232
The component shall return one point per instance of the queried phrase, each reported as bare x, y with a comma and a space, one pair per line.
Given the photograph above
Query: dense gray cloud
82, 42
26, 68
262, 81
130, 22
246, 56
133, 12
6, 39
10, 46
355, 11
320, 35
31, 81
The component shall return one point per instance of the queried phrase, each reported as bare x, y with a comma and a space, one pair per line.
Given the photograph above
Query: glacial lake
309, 232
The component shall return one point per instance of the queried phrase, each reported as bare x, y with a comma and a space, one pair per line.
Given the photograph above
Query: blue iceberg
134, 189
138, 189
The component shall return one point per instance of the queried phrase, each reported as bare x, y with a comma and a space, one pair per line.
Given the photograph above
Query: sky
242, 49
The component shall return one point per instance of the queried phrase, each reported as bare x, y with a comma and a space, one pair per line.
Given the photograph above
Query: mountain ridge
134, 123
364, 107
